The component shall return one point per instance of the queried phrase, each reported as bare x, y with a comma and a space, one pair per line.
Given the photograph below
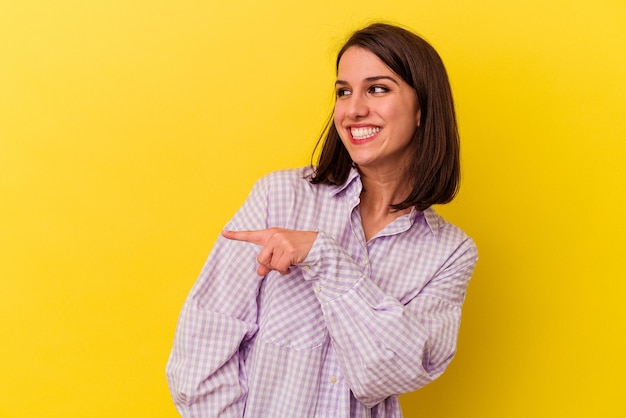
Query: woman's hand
282, 248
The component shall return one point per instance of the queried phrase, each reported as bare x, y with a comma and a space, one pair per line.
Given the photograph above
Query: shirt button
306, 268
333, 380
317, 288
365, 262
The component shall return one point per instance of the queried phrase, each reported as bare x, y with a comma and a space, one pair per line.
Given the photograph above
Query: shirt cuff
330, 269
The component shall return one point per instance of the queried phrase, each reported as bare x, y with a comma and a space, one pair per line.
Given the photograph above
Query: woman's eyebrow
368, 79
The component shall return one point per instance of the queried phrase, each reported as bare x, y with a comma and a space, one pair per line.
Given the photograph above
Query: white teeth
363, 133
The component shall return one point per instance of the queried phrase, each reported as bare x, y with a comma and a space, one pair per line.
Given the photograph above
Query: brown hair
434, 170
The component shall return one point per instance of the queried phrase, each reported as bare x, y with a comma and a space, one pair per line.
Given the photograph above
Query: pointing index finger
255, 237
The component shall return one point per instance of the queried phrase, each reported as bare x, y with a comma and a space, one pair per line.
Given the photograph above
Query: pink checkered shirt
348, 330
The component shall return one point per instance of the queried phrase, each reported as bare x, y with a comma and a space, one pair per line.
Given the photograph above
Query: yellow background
130, 131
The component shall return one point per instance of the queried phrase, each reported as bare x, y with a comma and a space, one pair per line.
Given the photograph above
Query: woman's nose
358, 107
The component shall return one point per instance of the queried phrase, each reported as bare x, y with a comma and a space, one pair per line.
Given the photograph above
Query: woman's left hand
282, 248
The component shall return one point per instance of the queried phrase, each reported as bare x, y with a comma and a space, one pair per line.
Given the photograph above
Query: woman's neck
380, 191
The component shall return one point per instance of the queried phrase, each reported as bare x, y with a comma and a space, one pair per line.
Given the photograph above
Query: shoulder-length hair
434, 169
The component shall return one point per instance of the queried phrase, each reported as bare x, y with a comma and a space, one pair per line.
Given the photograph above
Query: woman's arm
386, 347
205, 370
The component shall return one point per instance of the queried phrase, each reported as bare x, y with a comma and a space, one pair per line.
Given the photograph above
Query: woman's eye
343, 92
378, 89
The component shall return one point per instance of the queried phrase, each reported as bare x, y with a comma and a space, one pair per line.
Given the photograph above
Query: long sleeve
205, 371
386, 347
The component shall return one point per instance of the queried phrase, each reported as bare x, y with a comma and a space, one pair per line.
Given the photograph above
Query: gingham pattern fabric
343, 334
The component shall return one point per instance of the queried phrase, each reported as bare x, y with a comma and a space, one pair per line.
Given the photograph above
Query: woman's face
376, 112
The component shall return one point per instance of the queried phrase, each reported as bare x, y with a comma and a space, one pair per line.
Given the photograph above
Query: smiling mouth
364, 133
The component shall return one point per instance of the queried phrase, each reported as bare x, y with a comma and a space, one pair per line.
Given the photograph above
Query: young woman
336, 288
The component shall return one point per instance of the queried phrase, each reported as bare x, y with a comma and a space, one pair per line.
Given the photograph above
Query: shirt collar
433, 220
352, 176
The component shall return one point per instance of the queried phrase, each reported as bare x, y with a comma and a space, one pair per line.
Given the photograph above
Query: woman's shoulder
290, 178
290, 198
290, 174
446, 231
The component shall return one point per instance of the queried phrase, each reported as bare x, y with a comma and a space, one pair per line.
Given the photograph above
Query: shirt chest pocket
290, 315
